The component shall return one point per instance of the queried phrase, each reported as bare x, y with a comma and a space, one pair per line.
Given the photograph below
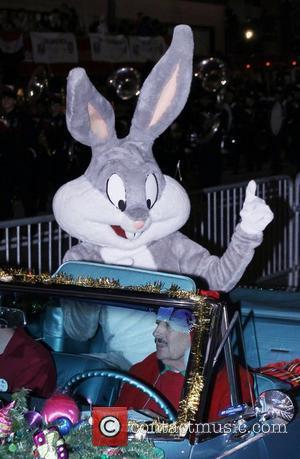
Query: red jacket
170, 385
27, 363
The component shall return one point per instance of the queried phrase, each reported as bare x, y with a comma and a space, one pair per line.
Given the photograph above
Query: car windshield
141, 332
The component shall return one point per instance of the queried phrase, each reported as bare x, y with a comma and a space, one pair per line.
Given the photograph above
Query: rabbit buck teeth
132, 235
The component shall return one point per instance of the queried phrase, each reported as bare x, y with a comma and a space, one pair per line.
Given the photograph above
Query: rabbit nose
138, 224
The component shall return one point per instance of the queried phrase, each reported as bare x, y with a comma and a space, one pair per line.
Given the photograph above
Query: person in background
18, 154
7, 158
24, 362
57, 139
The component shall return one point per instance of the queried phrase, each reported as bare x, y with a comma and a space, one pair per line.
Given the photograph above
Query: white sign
50, 48
109, 48
118, 48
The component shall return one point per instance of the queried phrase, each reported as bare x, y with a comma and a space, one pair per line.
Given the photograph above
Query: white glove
255, 214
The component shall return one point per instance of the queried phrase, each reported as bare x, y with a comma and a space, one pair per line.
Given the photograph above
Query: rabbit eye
151, 190
115, 191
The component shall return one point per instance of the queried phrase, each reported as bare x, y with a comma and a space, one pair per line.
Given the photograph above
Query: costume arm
83, 252
225, 272
81, 319
221, 273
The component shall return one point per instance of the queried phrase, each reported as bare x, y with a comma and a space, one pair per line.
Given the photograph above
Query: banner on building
143, 49
118, 48
53, 48
109, 48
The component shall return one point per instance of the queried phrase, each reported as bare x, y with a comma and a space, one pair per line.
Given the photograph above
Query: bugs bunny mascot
123, 208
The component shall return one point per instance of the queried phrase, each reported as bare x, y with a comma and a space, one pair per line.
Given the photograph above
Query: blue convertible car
233, 337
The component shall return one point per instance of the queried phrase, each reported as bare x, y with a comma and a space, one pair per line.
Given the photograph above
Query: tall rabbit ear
90, 117
165, 91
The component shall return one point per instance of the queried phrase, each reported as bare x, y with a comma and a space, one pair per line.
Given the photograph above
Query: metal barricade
36, 243
39, 243
296, 248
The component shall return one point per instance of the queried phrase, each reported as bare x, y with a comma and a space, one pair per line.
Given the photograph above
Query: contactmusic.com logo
110, 426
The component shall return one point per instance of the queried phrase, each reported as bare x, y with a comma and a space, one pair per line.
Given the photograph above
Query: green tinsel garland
80, 446
18, 445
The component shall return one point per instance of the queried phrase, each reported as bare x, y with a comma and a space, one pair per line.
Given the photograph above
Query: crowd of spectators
37, 154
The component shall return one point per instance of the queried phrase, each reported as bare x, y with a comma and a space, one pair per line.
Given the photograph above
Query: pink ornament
58, 406
5, 422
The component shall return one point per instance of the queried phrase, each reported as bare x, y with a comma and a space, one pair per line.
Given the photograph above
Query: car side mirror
275, 405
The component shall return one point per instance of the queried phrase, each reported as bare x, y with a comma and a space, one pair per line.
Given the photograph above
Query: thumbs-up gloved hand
255, 214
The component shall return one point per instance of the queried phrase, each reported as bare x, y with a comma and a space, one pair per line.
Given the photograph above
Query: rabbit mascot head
123, 200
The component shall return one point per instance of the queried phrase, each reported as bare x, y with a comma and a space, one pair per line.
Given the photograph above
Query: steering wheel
126, 378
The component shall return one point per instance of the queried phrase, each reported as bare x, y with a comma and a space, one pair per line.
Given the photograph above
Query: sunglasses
181, 320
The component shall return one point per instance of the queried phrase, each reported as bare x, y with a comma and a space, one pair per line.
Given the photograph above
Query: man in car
24, 362
165, 369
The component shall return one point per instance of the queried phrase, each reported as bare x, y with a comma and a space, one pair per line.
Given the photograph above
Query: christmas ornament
34, 418
5, 421
48, 444
60, 406
64, 425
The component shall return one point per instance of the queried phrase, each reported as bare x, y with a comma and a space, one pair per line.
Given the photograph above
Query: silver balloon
38, 84
126, 81
212, 73
209, 124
